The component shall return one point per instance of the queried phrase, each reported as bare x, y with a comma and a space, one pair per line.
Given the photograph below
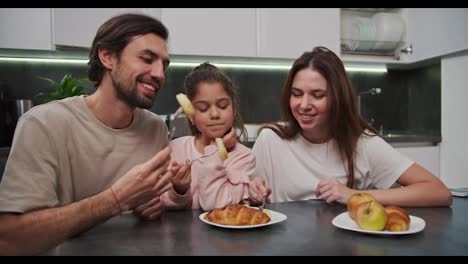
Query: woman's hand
333, 191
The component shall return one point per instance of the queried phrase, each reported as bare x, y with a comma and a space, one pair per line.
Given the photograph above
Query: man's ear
107, 58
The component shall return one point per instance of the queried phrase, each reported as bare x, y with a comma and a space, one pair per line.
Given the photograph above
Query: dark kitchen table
307, 231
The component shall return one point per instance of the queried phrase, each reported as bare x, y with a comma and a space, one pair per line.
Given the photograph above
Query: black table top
307, 231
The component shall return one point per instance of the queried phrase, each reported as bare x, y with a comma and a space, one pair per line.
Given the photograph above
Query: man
76, 162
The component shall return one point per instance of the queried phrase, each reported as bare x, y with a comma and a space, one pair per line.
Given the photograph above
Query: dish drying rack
374, 48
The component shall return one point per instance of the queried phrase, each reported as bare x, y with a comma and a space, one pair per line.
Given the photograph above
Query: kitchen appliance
178, 125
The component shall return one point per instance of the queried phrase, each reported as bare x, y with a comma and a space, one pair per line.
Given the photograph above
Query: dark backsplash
409, 101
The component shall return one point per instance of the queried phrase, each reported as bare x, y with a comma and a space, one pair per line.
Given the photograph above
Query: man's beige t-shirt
61, 154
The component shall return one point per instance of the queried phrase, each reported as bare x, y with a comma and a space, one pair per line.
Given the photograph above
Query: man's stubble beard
128, 93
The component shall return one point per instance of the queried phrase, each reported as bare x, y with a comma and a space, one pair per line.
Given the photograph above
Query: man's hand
259, 189
144, 182
150, 210
182, 178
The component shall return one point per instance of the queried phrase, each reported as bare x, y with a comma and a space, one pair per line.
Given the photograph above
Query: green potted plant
67, 87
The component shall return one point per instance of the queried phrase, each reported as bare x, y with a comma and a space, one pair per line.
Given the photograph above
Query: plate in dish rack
344, 221
276, 217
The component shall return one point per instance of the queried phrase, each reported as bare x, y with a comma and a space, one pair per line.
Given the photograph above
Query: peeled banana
185, 104
221, 148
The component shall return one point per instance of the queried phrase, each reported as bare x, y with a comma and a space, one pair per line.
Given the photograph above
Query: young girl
212, 183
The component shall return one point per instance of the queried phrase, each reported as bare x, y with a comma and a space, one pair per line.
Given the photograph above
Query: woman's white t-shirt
294, 167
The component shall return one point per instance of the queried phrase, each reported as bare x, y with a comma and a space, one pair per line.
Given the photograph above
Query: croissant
397, 219
236, 214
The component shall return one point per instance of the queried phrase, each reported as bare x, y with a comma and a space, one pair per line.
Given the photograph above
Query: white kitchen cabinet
25, 28
374, 35
288, 32
426, 156
76, 27
432, 32
211, 31
435, 32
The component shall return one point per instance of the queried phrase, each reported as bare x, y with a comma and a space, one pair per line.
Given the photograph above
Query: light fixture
234, 65
182, 64
366, 68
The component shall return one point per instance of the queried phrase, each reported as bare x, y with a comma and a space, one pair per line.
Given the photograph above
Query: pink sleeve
171, 199
228, 185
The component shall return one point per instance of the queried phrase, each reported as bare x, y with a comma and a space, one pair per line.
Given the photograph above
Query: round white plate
276, 217
344, 221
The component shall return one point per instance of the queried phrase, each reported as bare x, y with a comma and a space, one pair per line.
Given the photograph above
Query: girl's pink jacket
211, 187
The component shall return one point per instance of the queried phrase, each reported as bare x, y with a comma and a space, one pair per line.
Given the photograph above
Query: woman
324, 149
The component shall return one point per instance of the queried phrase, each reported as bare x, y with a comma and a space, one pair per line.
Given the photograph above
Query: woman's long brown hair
346, 124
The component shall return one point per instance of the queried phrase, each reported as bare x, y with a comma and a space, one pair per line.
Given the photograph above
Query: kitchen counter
412, 138
307, 231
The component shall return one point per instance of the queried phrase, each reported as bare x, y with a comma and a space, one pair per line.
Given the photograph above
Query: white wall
454, 146
426, 156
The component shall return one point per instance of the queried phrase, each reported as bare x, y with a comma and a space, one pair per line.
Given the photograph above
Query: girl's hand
259, 189
182, 178
333, 191
230, 139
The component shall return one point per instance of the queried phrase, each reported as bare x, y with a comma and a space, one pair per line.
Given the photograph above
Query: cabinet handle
408, 50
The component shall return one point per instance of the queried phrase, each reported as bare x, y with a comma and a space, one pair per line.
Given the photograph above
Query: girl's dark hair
115, 34
208, 73
346, 124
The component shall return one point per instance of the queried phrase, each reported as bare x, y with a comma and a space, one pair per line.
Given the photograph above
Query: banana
221, 148
185, 104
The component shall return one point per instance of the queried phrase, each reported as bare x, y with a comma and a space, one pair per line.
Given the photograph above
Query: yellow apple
371, 216
356, 199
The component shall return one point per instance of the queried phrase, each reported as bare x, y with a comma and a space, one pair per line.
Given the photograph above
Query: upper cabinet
356, 34
435, 32
288, 32
372, 34
402, 35
76, 27
25, 28
211, 31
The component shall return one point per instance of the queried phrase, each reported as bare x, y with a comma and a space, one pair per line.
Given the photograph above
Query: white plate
276, 217
344, 221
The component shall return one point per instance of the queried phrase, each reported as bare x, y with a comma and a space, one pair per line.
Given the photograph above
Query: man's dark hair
115, 34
